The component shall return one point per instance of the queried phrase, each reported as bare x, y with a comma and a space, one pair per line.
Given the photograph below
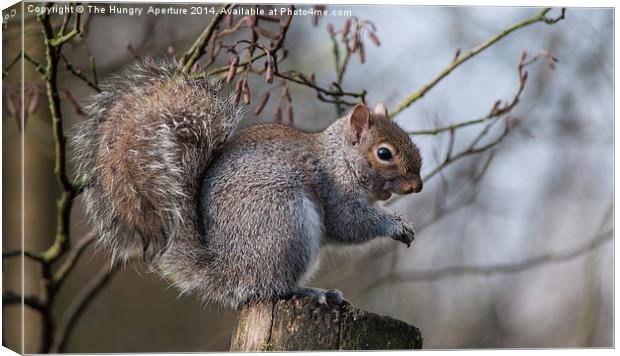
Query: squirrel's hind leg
322, 296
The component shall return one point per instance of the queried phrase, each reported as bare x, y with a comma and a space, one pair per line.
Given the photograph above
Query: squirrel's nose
411, 187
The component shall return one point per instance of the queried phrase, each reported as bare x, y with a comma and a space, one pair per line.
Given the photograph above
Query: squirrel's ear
381, 109
360, 121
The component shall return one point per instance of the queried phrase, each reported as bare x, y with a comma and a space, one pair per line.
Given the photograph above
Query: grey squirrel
234, 215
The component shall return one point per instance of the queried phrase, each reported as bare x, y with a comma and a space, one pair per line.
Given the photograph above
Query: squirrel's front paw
404, 231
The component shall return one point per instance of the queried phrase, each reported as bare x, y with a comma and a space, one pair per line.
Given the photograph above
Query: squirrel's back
150, 134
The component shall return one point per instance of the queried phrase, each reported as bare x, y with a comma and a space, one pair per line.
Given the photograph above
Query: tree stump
302, 324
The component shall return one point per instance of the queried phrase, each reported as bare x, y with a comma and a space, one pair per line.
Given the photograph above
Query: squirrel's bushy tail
149, 136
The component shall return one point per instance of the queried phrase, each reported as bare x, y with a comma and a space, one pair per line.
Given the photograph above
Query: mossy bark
301, 324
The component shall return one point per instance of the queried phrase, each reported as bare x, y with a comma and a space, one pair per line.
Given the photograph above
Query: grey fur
238, 217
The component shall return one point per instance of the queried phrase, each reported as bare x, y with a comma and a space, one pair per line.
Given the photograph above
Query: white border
573, 3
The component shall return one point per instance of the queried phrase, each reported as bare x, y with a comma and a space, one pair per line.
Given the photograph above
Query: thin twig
5, 70
496, 112
450, 127
65, 23
18, 253
77, 307
75, 253
507, 268
470, 150
296, 78
336, 101
32, 301
253, 58
343, 65
234, 28
198, 47
283, 31
38, 66
540, 17
79, 74
59, 39
93, 64
335, 51
292, 76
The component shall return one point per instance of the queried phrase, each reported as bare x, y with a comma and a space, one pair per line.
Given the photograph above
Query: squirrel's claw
405, 232
322, 297
332, 297
407, 239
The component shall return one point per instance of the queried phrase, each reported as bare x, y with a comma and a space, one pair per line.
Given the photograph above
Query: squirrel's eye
384, 154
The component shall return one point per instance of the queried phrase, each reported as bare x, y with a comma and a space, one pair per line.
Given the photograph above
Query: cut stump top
300, 324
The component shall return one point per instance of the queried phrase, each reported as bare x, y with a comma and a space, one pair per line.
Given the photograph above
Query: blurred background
513, 246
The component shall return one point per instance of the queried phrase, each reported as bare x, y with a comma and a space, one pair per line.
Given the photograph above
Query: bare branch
38, 66
18, 253
62, 38
32, 301
53, 46
540, 17
65, 23
198, 47
496, 112
72, 258
299, 78
253, 58
79, 74
508, 268
5, 70
93, 64
470, 150
450, 127
77, 307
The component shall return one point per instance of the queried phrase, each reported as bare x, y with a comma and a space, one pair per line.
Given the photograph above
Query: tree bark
301, 324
